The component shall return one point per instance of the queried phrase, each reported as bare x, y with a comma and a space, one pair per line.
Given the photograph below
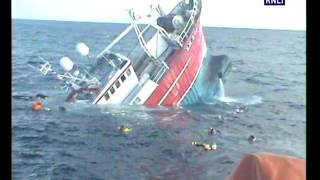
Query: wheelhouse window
106, 96
102, 69
128, 72
123, 78
118, 84
137, 100
112, 90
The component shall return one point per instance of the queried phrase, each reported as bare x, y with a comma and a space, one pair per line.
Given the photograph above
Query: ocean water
268, 77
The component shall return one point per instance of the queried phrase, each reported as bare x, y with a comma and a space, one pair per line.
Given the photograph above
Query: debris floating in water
235, 114
240, 109
23, 97
206, 147
37, 106
219, 116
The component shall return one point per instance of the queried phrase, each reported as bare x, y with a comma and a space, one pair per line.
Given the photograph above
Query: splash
245, 100
252, 100
221, 94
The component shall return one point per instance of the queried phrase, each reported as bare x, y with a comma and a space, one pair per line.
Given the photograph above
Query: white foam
221, 92
253, 100
227, 99
246, 101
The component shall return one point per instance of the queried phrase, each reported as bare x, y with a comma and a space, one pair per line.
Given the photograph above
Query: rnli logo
274, 2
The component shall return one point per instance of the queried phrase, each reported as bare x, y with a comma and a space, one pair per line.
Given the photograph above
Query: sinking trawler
168, 64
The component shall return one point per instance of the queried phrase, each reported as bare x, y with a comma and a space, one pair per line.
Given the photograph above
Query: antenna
44, 66
72, 78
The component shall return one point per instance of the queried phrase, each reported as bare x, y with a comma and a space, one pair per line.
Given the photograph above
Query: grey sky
223, 13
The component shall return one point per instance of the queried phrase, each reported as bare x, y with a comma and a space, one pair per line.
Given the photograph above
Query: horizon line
122, 22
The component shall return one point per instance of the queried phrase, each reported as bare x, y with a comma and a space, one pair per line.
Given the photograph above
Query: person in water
252, 138
122, 128
206, 147
213, 131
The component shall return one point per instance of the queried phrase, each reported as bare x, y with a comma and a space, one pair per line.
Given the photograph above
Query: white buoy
66, 63
83, 49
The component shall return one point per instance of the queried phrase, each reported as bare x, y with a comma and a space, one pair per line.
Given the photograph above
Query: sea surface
83, 142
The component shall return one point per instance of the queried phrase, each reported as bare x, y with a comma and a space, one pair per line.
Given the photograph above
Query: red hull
184, 67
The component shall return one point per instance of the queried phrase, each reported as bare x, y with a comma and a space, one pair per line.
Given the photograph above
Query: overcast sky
223, 13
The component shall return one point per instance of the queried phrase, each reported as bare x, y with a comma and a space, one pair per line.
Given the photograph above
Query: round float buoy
37, 106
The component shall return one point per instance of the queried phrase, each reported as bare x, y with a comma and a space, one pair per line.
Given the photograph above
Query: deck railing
181, 38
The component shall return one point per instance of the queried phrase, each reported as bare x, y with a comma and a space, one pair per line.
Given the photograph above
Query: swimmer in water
124, 129
206, 147
252, 138
213, 131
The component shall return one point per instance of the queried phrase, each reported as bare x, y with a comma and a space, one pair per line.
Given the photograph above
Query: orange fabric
267, 166
36, 106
